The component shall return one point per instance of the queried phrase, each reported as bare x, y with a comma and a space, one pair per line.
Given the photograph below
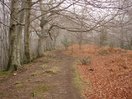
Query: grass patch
80, 83
35, 73
53, 70
46, 61
44, 66
1, 94
18, 84
49, 55
4, 74
50, 72
40, 89
77, 80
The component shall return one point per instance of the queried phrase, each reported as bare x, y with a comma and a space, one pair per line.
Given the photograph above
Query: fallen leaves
111, 72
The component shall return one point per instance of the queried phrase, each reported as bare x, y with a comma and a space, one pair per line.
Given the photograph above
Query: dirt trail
50, 79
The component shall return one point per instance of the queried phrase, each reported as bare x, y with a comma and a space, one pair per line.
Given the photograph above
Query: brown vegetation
111, 75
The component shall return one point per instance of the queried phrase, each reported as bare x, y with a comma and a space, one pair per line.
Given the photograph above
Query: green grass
4, 74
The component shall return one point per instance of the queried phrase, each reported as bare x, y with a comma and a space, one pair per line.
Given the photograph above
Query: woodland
66, 49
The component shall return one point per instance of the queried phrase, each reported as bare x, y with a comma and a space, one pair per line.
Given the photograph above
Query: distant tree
103, 36
66, 43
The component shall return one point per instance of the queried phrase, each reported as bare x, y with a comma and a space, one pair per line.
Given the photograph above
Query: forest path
49, 77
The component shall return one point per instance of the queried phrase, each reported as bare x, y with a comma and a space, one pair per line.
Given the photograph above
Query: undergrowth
85, 60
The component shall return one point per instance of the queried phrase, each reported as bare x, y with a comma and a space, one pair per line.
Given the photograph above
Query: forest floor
107, 74
61, 75
48, 77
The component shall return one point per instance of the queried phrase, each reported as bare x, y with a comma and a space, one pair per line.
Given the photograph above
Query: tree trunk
41, 47
19, 31
27, 54
14, 58
44, 27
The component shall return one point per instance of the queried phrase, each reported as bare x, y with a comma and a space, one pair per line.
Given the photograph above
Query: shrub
65, 43
85, 60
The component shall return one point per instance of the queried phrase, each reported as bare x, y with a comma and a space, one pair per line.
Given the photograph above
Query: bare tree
27, 57
14, 58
